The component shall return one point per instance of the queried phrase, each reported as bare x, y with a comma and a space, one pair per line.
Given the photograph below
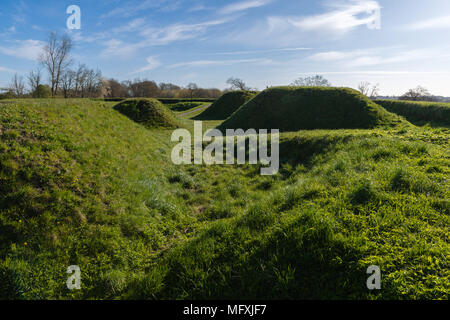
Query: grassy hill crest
226, 105
149, 112
308, 108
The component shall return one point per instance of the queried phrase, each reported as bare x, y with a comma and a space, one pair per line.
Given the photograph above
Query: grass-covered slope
353, 199
80, 184
228, 103
298, 108
149, 112
419, 112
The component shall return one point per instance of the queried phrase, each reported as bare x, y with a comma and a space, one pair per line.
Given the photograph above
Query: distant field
82, 184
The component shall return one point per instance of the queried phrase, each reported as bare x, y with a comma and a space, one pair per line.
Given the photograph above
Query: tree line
65, 81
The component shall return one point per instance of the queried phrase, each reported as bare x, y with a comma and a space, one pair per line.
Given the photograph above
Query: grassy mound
226, 105
83, 185
356, 198
80, 185
149, 112
419, 112
298, 108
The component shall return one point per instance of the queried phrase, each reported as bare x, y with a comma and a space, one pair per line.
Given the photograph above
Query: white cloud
158, 36
139, 6
262, 51
118, 48
287, 30
152, 63
26, 49
203, 63
376, 56
133, 25
342, 19
243, 5
7, 70
436, 23
177, 32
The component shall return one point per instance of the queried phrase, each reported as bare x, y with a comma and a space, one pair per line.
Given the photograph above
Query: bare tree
34, 81
192, 87
115, 89
364, 87
17, 85
418, 93
67, 82
368, 90
237, 84
375, 91
314, 81
80, 80
56, 58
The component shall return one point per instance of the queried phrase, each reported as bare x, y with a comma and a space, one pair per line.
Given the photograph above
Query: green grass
419, 113
298, 108
185, 106
149, 112
226, 105
82, 184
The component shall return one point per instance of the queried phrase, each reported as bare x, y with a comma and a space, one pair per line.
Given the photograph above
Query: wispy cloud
337, 21
133, 25
158, 36
26, 49
136, 7
243, 5
179, 31
152, 63
341, 18
204, 63
375, 57
435, 23
377, 72
3, 69
262, 51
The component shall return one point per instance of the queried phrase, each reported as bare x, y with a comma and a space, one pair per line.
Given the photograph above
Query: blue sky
264, 42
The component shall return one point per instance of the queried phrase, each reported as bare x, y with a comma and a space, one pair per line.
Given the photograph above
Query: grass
82, 184
226, 105
149, 112
419, 113
185, 106
298, 108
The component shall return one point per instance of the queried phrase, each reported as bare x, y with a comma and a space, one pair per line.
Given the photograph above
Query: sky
398, 44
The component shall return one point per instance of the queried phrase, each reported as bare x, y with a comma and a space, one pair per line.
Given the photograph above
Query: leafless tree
368, 90
34, 81
17, 85
56, 58
237, 84
115, 89
375, 91
192, 87
364, 87
67, 82
418, 93
313, 81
